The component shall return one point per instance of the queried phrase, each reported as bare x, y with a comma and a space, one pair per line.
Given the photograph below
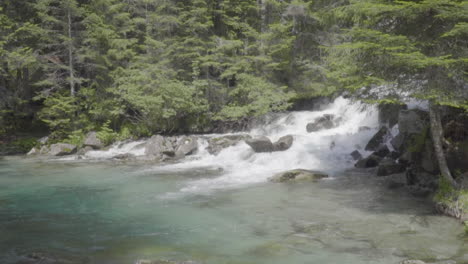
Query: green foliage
106, 134
76, 138
24, 145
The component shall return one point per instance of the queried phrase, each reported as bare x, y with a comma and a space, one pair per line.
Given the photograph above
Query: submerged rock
377, 140
93, 141
298, 175
62, 149
260, 144
284, 143
323, 122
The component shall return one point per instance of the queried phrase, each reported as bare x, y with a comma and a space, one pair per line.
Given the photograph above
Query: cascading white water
326, 150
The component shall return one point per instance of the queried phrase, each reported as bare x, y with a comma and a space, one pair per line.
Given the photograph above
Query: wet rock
421, 181
398, 142
298, 175
369, 162
158, 145
44, 150
356, 155
33, 151
324, 122
413, 121
124, 156
93, 141
389, 113
382, 151
378, 139
187, 146
388, 167
260, 144
62, 149
144, 261
412, 262
84, 150
216, 145
283, 143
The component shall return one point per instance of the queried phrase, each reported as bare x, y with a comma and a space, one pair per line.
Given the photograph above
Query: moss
418, 141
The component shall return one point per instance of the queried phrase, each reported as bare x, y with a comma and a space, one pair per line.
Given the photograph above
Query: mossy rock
298, 175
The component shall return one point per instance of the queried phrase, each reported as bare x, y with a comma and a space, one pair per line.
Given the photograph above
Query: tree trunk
70, 54
436, 131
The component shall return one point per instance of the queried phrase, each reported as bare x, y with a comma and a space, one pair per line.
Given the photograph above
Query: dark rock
369, 162
93, 141
456, 131
144, 261
398, 142
413, 121
377, 139
394, 155
428, 158
216, 145
158, 145
356, 155
298, 175
382, 151
186, 146
260, 144
324, 122
421, 180
283, 143
389, 167
62, 149
388, 113
39, 258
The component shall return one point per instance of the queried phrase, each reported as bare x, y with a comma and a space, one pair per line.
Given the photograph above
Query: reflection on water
108, 213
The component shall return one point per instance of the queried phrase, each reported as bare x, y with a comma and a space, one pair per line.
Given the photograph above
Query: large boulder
389, 166
382, 151
93, 141
283, 143
413, 121
186, 146
378, 139
157, 146
298, 175
217, 144
62, 149
33, 151
324, 122
388, 113
369, 162
356, 155
260, 144
399, 142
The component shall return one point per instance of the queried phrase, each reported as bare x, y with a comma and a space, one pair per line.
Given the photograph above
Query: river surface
221, 209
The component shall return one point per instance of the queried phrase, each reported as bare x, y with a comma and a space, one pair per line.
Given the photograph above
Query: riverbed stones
93, 141
260, 144
62, 149
298, 175
284, 143
324, 122
378, 139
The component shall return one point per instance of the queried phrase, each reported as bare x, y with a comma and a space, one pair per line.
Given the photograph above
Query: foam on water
326, 150
136, 148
